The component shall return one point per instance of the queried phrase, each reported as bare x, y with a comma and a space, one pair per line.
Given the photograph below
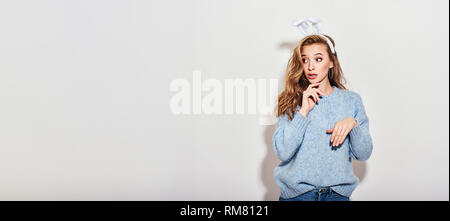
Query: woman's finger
334, 134
306, 95
335, 140
345, 135
312, 99
314, 93
310, 94
312, 85
342, 138
339, 136
318, 91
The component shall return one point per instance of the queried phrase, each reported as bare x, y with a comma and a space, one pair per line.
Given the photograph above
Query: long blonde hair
296, 81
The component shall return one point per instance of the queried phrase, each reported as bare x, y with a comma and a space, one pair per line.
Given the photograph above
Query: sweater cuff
299, 122
356, 131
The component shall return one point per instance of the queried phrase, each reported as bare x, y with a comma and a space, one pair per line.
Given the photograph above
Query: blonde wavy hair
296, 81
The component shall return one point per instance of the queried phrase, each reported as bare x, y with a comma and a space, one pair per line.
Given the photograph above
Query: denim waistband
326, 189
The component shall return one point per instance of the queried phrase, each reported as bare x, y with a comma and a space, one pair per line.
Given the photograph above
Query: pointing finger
318, 91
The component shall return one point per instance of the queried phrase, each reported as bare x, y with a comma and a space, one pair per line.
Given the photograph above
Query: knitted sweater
308, 159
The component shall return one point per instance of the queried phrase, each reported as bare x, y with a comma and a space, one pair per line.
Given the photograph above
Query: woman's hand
310, 98
341, 129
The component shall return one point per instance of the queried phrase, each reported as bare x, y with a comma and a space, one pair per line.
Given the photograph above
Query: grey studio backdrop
85, 91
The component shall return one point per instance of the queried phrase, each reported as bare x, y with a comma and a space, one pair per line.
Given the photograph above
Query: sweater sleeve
360, 140
288, 136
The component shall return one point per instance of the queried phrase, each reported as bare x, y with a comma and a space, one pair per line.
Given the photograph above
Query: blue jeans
319, 194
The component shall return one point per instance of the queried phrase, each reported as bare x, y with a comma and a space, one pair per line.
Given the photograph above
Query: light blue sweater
308, 159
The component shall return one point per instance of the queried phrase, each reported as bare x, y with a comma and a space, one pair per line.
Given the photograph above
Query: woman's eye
304, 60
319, 59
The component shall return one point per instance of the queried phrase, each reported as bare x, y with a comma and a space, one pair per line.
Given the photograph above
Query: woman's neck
326, 87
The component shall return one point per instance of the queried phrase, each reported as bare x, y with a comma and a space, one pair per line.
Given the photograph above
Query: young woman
321, 127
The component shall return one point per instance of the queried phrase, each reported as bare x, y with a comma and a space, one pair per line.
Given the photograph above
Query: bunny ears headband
317, 29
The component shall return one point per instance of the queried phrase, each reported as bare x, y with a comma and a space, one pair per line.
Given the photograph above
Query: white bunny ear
298, 22
313, 20
302, 25
316, 25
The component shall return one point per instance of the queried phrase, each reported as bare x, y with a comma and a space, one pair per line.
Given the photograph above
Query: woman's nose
310, 66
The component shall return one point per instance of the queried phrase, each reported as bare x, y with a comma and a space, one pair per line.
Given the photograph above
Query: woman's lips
312, 76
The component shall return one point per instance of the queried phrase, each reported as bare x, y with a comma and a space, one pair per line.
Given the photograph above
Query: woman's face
316, 62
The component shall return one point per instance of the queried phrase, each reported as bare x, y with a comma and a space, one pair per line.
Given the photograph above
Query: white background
84, 96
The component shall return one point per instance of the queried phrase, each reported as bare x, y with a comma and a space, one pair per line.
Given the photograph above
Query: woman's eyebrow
315, 54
